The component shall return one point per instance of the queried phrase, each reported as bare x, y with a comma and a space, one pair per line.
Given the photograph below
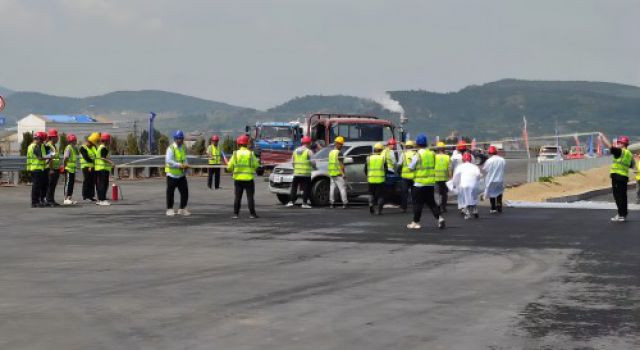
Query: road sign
1, 103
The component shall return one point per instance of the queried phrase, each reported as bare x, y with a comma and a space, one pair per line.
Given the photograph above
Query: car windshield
548, 150
362, 132
276, 133
324, 152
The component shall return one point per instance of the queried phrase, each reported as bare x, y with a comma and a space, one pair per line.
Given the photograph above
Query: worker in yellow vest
303, 166
337, 176
407, 174
376, 170
87, 165
622, 162
36, 165
442, 174
68, 166
424, 163
54, 167
243, 164
389, 154
175, 166
638, 181
216, 157
103, 167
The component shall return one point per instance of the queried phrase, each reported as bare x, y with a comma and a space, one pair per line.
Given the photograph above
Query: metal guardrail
556, 168
17, 163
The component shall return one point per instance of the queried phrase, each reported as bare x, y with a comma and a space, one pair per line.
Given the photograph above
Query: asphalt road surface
128, 277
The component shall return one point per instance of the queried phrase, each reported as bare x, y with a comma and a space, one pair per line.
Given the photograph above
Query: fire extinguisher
114, 192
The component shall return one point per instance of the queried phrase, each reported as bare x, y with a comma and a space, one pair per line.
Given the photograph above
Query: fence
556, 168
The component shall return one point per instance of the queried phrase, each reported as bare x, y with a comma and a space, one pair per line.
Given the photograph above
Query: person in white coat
493, 170
466, 181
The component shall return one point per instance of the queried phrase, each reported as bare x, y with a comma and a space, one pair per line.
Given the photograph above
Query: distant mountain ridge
4, 92
490, 110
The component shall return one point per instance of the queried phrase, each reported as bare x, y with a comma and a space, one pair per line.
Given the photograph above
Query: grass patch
546, 179
570, 172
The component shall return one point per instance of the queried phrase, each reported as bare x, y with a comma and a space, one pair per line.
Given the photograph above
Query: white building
80, 125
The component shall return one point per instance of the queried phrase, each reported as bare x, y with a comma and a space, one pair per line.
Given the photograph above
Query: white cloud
116, 13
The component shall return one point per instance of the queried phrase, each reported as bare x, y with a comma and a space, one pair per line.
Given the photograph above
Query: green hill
496, 109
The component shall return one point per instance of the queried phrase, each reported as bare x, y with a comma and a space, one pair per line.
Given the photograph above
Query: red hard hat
41, 135
466, 157
462, 146
242, 140
306, 140
215, 138
53, 133
391, 142
493, 150
105, 137
71, 138
623, 140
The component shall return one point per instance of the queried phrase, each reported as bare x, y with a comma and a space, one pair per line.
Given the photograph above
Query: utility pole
152, 116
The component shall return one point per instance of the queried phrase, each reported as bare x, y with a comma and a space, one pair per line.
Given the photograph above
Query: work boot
371, 210
171, 212
345, 206
500, 209
475, 212
332, 206
254, 216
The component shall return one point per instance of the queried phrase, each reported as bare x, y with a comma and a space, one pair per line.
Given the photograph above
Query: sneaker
413, 226
91, 199
306, 206
184, 212
171, 212
618, 218
103, 203
441, 223
493, 211
254, 216
67, 202
290, 204
235, 216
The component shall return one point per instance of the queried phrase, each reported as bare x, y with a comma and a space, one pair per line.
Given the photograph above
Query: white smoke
392, 105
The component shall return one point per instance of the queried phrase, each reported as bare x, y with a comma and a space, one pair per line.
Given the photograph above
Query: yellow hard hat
94, 137
378, 147
410, 143
339, 139
441, 144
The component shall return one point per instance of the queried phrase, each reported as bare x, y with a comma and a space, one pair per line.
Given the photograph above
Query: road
128, 277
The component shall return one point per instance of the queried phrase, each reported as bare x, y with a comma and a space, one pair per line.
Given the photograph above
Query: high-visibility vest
216, 155
101, 164
386, 153
56, 156
638, 170
375, 169
442, 167
33, 163
408, 173
180, 156
622, 164
334, 163
302, 163
425, 174
91, 152
70, 167
243, 163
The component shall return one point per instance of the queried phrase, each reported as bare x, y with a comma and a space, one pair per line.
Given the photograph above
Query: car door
356, 178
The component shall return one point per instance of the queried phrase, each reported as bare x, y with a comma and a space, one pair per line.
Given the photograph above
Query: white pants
342, 187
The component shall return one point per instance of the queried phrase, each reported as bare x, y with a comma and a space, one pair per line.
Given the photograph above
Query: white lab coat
466, 181
494, 176
456, 159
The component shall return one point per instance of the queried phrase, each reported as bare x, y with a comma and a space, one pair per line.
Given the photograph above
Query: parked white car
550, 154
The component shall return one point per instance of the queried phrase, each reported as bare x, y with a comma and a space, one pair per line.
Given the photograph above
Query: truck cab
274, 142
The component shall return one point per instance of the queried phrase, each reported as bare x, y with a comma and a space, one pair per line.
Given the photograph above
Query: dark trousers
496, 203
638, 192
250, 188
52, 184
619, 187
102, 184
443, 191
376, 198
37, 179
88, 183
69, 182
183, 188
407, 192
305, 183
424, 195
214, 176
44, 185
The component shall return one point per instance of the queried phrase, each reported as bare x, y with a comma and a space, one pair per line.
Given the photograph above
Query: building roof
64, 119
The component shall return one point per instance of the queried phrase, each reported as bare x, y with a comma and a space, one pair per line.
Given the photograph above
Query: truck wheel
283, 198
260, 171
320, 193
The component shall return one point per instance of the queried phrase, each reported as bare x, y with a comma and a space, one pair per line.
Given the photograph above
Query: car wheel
283, 198
320, 193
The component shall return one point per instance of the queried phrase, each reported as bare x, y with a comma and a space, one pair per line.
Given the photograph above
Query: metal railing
556, 168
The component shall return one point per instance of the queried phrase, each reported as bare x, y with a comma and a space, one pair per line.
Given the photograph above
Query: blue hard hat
421, 140
178, 135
